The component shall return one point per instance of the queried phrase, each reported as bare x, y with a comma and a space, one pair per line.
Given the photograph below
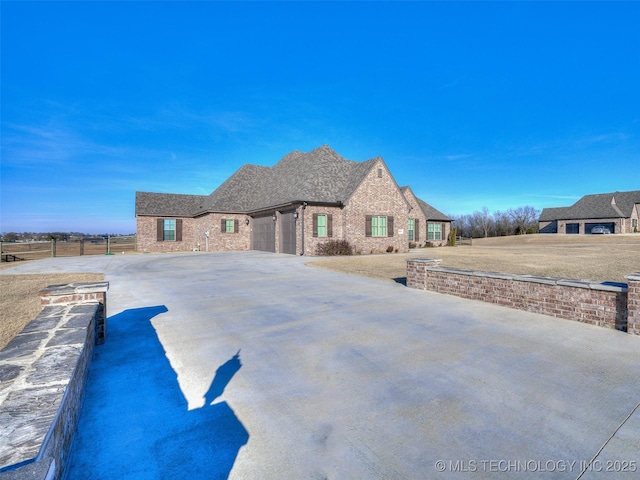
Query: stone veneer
605, 304
43, 372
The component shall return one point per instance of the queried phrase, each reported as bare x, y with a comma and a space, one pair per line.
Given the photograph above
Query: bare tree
524, 219
463, 223
502, 224
482, 221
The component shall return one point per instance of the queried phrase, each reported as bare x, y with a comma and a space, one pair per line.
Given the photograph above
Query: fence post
81, 246
53, 247
108, 244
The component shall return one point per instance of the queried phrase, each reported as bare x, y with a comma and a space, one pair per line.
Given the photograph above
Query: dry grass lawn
601, 258
19, 301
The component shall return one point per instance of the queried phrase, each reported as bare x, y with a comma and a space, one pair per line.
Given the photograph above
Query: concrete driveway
252, 365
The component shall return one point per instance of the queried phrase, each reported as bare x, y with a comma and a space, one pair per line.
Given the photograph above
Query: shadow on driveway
134, 422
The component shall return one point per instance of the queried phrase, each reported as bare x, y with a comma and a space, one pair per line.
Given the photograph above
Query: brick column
417, 271
633, 303
77, 293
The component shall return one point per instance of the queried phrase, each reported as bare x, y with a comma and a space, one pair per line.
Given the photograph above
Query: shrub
412, 245
334, 247
390, 249
452, 237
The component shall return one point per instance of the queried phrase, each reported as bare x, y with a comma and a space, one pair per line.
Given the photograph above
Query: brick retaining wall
605, 304
633, 303
43, 372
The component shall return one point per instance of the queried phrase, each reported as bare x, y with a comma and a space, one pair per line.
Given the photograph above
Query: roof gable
321, 176
428, 211
239, 192
318, 176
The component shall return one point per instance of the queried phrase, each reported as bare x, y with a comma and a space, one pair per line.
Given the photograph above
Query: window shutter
223, 225
235, 226
160, 230
390, 226
178, 230
416, 230
315, 224
329, 225
367, 225
442, 232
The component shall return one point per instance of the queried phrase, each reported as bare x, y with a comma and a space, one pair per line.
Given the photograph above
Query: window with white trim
228, 225
322, 225
434, 231
378, 226
169, 230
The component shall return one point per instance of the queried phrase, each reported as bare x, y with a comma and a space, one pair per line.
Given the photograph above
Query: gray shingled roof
551, 214
601, 205
167, 204
319, 176
429, 212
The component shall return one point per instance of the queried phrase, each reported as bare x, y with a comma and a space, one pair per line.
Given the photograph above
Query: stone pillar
417, 271
77, 293
633, 303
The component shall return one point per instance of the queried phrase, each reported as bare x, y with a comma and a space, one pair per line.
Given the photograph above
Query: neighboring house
292, 207
617, 211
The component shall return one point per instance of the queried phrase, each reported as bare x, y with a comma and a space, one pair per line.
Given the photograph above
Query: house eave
271, 208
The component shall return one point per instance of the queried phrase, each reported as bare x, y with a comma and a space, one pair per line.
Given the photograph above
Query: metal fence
463, 240
88, 246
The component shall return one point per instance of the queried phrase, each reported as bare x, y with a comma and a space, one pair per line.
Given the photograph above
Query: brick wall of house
220, 241
193, 235
310, 242
278, 232
416, 213
146, 241
606, 305
620, 224
376, 196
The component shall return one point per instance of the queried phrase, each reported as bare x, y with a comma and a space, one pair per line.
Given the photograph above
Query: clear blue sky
472, 104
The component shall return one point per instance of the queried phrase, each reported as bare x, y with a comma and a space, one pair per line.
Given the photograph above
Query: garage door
573, 228
610, 225
263, 234
288, 233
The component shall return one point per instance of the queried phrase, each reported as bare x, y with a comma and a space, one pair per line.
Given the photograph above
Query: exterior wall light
274, 217
246, 221
295, 215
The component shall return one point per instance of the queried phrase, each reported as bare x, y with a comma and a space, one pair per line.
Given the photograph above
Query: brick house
618, 212
426, 224
292, 207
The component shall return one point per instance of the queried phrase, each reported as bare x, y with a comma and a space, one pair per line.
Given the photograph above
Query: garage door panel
288, 233
263, 234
